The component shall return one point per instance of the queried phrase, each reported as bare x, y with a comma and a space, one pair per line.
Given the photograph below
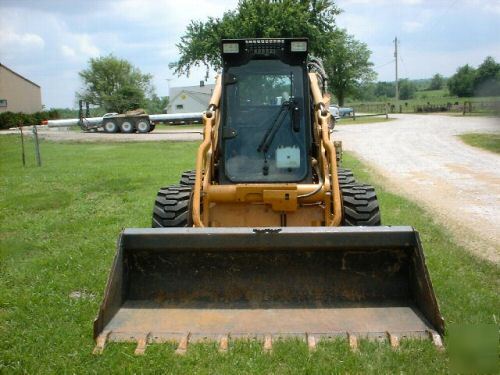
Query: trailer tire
110, 126
172, 207
143, 126
360, 205
127, 126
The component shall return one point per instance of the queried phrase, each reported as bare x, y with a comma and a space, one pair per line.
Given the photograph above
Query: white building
190, 99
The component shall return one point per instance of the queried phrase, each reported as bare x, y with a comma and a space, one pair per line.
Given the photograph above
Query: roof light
299, 46
230, 48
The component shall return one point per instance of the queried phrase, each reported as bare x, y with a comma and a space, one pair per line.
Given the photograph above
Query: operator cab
265, 111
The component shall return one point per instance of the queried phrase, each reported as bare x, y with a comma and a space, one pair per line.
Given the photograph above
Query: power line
384, 64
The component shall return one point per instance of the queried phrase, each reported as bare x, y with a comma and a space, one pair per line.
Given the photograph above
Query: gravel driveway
421, 157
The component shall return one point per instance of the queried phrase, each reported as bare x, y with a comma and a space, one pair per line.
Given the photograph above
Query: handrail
209, 118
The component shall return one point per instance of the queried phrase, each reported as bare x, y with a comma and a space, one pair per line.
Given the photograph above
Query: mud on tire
360, 205
171, 207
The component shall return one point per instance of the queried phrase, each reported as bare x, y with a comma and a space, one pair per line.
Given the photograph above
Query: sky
50, 41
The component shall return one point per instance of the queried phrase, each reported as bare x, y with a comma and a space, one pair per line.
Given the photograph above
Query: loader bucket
210, 283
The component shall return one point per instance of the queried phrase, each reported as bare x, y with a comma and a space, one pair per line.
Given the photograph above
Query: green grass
179, 127
490, 142
434, 97
58, 228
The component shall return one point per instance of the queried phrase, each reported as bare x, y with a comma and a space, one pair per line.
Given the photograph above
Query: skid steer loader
268, 237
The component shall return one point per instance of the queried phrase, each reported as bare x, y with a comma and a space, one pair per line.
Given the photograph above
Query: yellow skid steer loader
268, 237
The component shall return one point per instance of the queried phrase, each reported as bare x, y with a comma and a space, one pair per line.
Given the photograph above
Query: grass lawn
58, 232
433, 97
490, 142
179, 127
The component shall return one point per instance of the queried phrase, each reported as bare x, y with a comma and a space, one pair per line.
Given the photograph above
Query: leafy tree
314, 19
348, 65
114, 84
462, 82
385, 89
364, 92
487, 78
155, 104
437, 82
407, 89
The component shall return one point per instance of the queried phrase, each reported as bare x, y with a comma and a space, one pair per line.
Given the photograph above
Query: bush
11, 119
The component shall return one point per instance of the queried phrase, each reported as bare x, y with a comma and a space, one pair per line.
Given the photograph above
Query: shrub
11, 119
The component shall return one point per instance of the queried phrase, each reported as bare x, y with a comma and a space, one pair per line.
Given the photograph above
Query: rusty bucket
187, 284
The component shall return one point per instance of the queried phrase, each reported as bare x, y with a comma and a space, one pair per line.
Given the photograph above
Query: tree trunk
340, 97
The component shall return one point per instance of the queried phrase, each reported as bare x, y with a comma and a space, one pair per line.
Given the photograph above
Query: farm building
190, 98
18, 94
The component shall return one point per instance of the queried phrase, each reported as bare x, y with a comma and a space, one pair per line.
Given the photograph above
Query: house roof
20, 76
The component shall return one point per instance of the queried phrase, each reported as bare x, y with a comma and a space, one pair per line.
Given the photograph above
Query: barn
17, 93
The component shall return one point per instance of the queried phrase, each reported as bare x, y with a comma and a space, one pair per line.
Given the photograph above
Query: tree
407, 89
347, 65
487, 78
385, 89
314, 19
437, 82
462, 82
155, 104
114, 84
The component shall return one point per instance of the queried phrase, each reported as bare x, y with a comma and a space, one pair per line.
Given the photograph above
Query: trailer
129, 122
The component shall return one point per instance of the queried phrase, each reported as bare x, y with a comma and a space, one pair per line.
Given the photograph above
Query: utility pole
396, 59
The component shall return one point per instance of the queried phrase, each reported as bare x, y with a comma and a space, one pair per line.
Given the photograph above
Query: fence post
353, 114
386, 112
465, 103
37, 146
22, 145
470, 106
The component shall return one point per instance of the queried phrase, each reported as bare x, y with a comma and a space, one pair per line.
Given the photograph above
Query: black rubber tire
143, 126
171, 207
346, 177
188, 178
124, 128
110, 126
360, 205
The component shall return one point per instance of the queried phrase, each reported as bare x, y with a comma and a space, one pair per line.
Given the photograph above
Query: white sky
50, 41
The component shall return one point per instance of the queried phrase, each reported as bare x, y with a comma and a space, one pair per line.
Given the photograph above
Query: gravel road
77, 136
421, 157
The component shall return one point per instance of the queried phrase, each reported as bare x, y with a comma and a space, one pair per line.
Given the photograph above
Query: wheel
110, 126
188, 178
143, 126
172, 207
360, 205
346, 176
127, 126
152, 127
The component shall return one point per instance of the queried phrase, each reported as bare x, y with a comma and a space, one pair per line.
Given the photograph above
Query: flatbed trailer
126, 123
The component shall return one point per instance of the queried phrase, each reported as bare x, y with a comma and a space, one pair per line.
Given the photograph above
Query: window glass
262, 138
